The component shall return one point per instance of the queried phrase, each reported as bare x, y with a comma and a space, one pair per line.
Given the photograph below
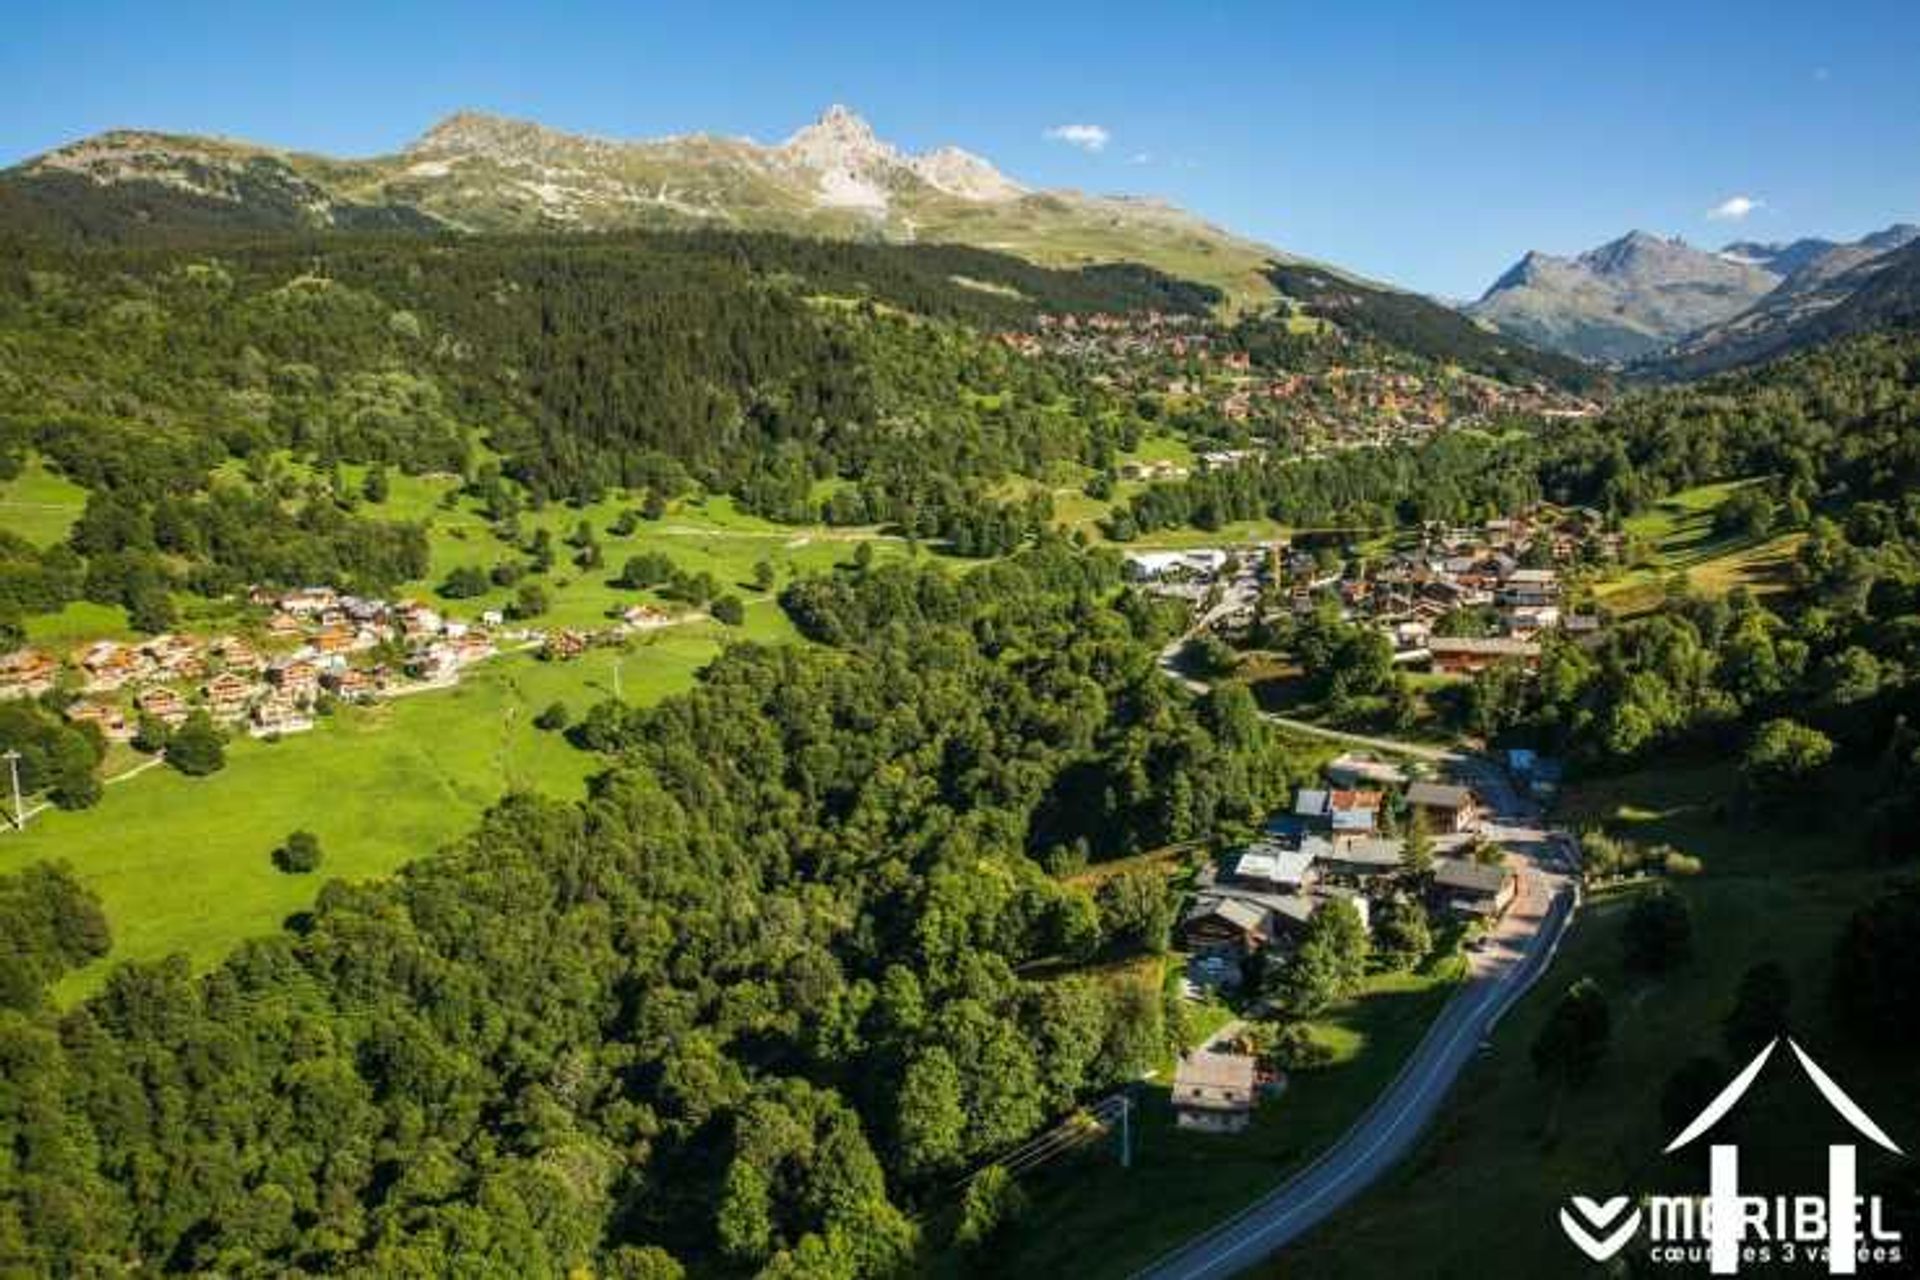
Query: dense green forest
816, 943
753, 1004
753, 365
1410, 322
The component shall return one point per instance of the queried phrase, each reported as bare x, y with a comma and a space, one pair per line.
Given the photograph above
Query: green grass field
183, 864
711, 535
1679, 530
1092, 1218
1062, 236
1479, 1196
39, 505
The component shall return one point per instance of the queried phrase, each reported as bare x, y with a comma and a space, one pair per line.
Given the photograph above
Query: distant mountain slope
1421, 325
1782, 259
1624, 299
120, 187
1846, 291
479, 172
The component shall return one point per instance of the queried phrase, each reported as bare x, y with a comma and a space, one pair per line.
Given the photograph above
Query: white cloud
1734, 208
1140, 157
1087, 137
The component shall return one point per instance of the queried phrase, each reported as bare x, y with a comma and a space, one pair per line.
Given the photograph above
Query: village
1456, 602
1451, 600
1374, 831
301, 647
1341, 400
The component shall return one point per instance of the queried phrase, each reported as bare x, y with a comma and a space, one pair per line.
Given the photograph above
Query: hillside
1846, 289
1418, 324
482, 173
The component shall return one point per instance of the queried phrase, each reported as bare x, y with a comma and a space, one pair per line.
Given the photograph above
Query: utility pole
19, 810
1126, 1131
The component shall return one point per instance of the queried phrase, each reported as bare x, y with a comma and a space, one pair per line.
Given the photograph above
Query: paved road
1241, 591
1389, 1129
1394, 746
1511, 960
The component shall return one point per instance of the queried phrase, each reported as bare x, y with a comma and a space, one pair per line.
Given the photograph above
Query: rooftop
1377, 851
1270, 862
1239, 912
1473, 877
1504, 646
1206, 1070
1439, 795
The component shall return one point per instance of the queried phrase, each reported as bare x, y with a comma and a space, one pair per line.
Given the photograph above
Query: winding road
1508, 963
1389, 1129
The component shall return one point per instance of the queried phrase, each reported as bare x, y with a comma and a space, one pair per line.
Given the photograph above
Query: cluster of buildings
311, 641
1186, 574
1334, 844
314, 639
1331, 845
1338, 397
566, 644
1507, 575
1154, 470
1109, 337
1509, 569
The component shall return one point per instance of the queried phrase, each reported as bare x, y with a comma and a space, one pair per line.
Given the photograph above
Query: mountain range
1644, 299
480, 172
1848, 290
1659, 305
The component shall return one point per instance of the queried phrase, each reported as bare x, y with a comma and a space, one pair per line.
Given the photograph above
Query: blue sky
1424, 144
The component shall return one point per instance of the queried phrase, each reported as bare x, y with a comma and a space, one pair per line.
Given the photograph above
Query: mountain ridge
1870, 283
1618, 300
479, 171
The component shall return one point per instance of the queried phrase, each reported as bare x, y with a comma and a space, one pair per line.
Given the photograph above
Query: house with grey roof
1214, 1092
1446, 807
1364, 858
1474, 890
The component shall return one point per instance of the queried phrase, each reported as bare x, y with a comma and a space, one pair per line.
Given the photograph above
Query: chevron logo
1600, 1229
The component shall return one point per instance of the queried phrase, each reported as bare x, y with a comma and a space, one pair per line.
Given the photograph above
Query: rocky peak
1633, 247
1531, 267
476, 133
840, 140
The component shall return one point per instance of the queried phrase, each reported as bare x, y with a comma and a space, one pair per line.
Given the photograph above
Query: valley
691, 707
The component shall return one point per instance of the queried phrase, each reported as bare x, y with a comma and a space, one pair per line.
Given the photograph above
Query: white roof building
1267, 863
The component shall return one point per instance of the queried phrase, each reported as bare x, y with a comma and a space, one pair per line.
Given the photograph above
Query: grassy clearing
710, 535
1680, 531
40, 505
1683, 521
1506, 1153
1238, 533
182, 864
1096, 1219
1764, 568
1061, 235
80, 621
